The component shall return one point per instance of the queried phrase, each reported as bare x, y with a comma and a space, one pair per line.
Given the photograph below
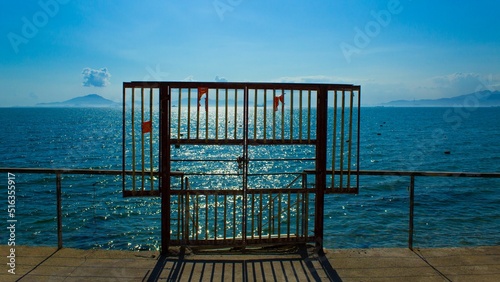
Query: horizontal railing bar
432, 173
307, 171
239, 174
233, 160
214, 174
415, 173
275, 173
232, 241
200, 160
203, 141
241, 85
280, 160
240, 192
82, 171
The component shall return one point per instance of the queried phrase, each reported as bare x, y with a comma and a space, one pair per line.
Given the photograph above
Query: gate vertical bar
206, 115
217, 114
188, 114
132, 108
235, 123
225, 115
349, 145
321, 131
255, 115
334, 138
309, 115
300, 115
123, 139
151, 162
143, 177
291, 114
282, 98
245, 166
265, 115
342, 136
179, 104
358, 136
165, 166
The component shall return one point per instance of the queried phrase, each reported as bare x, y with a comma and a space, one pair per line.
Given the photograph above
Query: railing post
59, 211
245, 167
165, 167
321, 129
412, 205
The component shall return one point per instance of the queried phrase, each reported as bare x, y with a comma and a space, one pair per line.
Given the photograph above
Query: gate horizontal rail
239, 192
412, 174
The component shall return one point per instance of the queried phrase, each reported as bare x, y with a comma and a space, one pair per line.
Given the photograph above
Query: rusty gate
239, 164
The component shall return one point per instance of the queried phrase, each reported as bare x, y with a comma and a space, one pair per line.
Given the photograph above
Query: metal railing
58, 173
411, 186
411, 174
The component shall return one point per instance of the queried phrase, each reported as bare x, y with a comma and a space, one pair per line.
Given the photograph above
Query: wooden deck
301, 264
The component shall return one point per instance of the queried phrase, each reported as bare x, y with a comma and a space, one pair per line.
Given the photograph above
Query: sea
449, 212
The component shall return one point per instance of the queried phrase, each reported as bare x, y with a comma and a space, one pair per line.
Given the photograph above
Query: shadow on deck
299, 264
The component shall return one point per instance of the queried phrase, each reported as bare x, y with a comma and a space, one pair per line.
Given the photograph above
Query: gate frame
320, 171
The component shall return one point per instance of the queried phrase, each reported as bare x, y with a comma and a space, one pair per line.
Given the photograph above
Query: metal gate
239, 164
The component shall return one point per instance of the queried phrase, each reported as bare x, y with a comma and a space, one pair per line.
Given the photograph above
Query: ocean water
448, 211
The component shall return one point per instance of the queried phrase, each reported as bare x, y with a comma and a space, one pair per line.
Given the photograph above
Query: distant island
88, 101
484, 98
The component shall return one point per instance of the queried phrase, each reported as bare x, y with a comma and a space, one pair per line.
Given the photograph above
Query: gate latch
241, 160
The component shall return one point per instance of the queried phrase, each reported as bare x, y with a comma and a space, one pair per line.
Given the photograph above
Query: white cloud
461, 83
189, 78
316, 79
96, 77
220, 79
444, 86
33, 96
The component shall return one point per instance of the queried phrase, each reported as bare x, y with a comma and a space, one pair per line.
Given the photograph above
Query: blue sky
54, 50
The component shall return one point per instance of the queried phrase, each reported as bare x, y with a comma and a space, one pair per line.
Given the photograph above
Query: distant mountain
88, 101
484, 98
